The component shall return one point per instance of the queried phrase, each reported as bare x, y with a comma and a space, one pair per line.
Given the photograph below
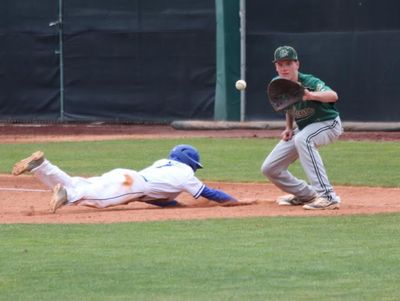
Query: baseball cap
285, 53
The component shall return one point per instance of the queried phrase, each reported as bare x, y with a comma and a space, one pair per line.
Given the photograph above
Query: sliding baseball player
158, 184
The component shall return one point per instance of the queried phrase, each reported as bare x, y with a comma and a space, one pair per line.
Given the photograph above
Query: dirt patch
24, 200
28, 202
23, 133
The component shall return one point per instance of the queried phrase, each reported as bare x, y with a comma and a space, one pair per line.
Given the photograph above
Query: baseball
240, 85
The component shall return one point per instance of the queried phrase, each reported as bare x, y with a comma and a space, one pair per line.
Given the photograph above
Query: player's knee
269, 170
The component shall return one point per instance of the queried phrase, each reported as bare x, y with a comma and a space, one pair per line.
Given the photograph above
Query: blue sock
163, 204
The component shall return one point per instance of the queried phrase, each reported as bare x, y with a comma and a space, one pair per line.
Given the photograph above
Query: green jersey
307, 112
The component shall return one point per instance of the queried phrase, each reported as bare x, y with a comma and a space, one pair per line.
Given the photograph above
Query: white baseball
240, 85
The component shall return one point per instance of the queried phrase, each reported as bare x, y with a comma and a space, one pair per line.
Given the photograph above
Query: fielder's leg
275, 168
307, 142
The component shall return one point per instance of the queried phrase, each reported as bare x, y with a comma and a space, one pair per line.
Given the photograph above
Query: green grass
239, 160
319, 258
280, 258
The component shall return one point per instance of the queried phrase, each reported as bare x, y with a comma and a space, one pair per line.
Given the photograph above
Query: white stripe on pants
303, 146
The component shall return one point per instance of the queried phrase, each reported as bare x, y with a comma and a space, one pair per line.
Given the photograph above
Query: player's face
287, 69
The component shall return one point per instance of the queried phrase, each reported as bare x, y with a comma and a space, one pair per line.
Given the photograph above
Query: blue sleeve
216, 195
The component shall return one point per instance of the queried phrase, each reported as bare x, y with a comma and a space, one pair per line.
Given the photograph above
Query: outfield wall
123, 60
353, 45
155, 60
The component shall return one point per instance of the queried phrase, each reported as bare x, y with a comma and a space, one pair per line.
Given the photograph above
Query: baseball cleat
59, 198
291, 200
28, 164
322, 203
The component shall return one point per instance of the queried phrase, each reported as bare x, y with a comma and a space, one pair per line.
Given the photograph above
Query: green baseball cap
286, 53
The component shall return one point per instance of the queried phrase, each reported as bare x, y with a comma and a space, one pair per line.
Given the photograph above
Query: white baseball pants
303, 146
116, 187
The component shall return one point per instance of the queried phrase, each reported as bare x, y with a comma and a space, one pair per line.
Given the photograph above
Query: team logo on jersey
304, 113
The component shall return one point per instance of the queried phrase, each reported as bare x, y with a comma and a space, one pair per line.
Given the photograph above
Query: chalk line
23, 189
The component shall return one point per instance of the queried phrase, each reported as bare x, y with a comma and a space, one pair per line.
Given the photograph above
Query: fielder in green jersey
318, 123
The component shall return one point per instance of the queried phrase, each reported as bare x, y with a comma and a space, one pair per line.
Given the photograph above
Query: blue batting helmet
186, 154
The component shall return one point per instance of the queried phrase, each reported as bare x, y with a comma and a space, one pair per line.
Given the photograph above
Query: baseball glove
282, 93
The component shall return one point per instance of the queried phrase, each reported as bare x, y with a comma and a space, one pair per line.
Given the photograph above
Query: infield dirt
22, 205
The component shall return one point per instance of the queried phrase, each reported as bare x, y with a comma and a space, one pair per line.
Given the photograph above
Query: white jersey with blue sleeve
166, 179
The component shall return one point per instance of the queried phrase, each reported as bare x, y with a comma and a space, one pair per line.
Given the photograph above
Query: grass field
239, 160
280, 258
342, 258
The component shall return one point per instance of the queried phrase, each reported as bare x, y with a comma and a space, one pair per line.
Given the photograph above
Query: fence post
60, 53
227, 98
